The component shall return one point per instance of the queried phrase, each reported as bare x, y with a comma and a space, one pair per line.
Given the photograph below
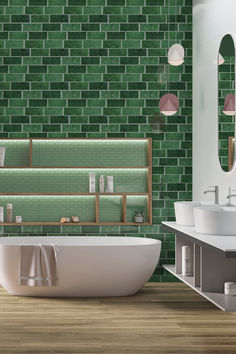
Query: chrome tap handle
230, 195
216, 194
216, 191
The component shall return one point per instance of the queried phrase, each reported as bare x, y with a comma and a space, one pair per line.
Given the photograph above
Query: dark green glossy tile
95, 68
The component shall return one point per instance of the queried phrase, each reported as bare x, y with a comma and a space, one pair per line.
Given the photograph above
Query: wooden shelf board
78, 167
75, 138
5, 167
76, 194
52, 223
124, 224
84, 138
226, 303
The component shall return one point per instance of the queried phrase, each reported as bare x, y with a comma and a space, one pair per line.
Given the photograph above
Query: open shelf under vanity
214, 263
224, 302
41, 189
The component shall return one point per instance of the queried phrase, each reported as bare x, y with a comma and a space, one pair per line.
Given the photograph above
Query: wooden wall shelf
77, 167
145, 160
51, 223
77, 194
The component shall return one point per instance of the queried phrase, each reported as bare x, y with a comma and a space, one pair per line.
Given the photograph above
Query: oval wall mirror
226, 103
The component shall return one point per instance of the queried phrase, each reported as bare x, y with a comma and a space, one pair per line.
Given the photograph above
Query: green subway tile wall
97, 68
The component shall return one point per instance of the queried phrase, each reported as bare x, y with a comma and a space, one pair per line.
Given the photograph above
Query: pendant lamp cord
176, 12
176, 36
168, 70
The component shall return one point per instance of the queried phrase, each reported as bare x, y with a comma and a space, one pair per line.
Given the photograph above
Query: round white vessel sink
184, 212
215, 220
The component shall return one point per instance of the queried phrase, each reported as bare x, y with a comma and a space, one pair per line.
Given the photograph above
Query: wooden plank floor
161, 318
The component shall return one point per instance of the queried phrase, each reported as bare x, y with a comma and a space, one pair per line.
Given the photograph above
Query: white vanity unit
214, 263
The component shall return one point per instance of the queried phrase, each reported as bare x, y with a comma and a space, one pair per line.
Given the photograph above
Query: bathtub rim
92, 241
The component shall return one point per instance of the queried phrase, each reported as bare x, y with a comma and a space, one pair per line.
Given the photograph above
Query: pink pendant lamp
229, 107
169, 104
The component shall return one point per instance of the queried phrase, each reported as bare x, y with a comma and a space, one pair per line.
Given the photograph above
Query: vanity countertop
224, 243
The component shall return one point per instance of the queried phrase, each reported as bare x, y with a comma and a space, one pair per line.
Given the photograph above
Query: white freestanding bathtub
86, 266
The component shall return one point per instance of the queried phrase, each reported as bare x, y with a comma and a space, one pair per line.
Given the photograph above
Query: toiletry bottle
110, 184
1, 214
9, 212
92, 182
230, 288
101, 184
186, 261
2, 155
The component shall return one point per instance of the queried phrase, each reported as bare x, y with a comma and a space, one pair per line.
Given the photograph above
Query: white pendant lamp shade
220, 59
229, 107
169, 104
176, 55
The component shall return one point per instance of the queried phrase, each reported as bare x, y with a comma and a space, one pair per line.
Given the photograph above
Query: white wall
212, 19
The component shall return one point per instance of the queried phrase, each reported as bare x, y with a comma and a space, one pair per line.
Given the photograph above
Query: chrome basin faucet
231, 195
216, 191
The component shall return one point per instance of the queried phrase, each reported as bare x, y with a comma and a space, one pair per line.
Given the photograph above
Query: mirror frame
231, 152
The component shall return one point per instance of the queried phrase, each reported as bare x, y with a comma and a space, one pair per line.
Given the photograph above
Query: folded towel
38, 265
49, 265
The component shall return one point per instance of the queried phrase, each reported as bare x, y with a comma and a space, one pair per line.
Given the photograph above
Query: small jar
64, 219
139, 217
230, 288
18, 219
